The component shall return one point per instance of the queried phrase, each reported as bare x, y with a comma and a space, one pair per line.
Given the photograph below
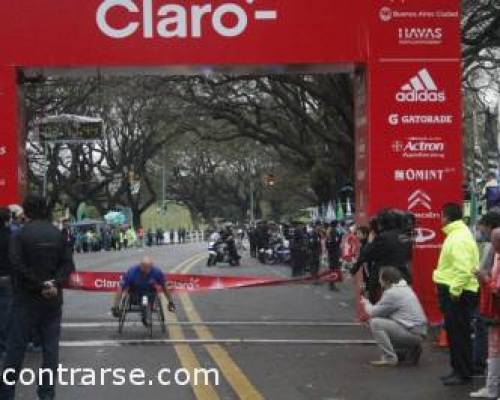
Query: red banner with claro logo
110, 281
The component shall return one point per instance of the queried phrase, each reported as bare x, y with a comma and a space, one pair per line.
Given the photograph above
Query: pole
164, 182
252, 205
473, 188
46, 153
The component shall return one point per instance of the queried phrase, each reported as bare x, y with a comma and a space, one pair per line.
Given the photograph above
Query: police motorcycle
219, 252
278, 252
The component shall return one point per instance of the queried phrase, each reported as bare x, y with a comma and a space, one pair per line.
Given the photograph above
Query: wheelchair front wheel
124, 307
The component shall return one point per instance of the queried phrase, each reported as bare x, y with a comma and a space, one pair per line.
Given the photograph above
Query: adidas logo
421, 89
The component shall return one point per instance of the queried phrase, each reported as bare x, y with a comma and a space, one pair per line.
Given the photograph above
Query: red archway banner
408, 110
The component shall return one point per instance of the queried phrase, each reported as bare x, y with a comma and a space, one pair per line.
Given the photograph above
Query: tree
306, 119
137, 126
480, 38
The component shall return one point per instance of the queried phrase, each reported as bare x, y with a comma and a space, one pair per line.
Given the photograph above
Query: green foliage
177, 216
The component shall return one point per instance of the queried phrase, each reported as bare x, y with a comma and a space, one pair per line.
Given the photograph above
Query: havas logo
421, 89
420, 35
175, 20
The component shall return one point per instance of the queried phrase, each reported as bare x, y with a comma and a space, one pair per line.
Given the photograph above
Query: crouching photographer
397, 321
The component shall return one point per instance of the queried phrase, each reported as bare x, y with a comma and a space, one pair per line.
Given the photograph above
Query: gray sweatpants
390, 335
493, 379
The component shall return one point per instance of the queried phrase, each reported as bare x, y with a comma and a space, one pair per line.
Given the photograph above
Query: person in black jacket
390, 246
298, 249
262, 239
315, 250
253, 242
5, 277
41, 263
334, 240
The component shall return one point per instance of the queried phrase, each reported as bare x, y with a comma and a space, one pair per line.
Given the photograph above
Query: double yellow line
233, 374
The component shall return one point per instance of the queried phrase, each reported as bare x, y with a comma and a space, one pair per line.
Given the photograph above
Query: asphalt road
287, 342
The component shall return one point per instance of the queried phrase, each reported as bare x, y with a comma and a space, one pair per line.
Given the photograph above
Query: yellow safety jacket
459, 260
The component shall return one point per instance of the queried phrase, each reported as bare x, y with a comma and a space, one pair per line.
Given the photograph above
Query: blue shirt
140, 282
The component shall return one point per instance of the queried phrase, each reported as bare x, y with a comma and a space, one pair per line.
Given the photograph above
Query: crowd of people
467, 285
117, 238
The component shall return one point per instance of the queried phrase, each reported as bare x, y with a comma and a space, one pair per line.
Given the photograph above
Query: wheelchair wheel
124, 307
161, 316
148, 313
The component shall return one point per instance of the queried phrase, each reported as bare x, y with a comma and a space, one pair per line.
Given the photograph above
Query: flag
340, 211
348, 208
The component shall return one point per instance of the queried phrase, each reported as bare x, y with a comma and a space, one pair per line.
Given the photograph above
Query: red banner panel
415, 153
161, 32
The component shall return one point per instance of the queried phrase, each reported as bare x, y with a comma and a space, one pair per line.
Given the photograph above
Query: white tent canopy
69, 127
69, 119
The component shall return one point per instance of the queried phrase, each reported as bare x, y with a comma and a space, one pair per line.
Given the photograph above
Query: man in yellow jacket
457, 287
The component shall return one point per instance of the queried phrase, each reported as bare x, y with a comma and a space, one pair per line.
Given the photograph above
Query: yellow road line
185, 354
233, 374
198, 257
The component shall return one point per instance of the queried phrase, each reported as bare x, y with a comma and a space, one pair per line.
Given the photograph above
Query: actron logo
421, 89
420, 148
175, 20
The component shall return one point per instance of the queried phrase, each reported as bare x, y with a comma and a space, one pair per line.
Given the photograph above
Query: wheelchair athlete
139, 281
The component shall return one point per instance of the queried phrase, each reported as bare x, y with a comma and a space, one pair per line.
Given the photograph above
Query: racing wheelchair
150, 308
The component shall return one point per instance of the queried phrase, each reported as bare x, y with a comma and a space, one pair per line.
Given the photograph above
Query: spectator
349, 246
41, 263
17, 220
140, 236
491, 192
315, 250
372, 288
253, 242
298, 249
489, 222
397, 321
131, 237
334, 238
490, 308
68, 236
387, 245
457, 287
149, 237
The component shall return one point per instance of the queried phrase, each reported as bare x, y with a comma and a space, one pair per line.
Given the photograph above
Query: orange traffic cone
442, 340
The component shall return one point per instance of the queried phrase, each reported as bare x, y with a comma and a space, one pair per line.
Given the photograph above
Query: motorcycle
277, 253
218, 252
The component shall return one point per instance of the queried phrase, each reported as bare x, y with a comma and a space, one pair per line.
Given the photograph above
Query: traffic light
270, 180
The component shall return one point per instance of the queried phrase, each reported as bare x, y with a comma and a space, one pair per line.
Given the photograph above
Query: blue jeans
5, 307
30, 315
